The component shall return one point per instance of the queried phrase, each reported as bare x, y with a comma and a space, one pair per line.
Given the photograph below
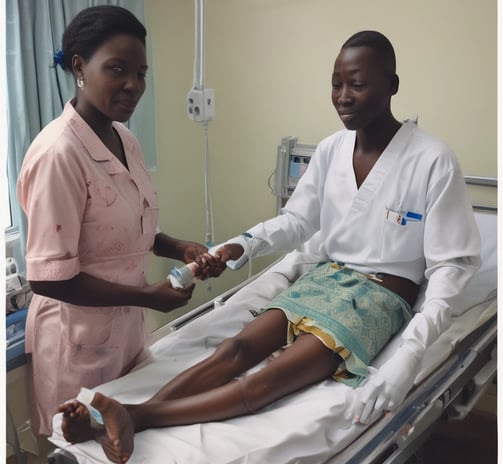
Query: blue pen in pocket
412, 216
401, 217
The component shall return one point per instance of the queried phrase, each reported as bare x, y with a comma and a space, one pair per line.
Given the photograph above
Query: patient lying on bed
390, 207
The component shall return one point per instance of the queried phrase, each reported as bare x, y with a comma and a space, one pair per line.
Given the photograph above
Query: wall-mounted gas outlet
201, 105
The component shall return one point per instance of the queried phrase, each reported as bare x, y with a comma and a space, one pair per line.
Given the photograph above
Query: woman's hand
192, 250
161, 296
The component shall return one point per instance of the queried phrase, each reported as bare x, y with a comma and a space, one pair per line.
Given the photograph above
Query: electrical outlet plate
201, 104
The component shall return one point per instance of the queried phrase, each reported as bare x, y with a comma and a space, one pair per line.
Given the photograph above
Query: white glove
386, 387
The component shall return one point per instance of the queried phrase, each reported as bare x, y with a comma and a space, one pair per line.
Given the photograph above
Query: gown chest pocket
402, 238
149, 221
102, 198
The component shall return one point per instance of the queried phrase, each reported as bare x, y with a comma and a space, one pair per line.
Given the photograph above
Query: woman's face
114, 78
361, 87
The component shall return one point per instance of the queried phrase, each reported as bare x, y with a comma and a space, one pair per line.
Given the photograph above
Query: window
5, 211
10, 232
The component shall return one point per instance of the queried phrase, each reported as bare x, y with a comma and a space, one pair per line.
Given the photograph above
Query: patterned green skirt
349, 313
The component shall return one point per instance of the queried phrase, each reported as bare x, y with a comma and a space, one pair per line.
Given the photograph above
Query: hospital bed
310, 426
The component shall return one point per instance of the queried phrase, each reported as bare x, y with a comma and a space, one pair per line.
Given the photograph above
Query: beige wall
270, 64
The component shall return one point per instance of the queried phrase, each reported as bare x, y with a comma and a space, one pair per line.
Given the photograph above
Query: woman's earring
80, 82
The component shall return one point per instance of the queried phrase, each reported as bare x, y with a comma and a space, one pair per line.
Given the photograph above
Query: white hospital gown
411, 217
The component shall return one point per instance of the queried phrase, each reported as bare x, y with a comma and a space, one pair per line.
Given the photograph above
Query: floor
473, 440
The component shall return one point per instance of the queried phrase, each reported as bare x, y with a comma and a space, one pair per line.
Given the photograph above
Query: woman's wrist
169, 247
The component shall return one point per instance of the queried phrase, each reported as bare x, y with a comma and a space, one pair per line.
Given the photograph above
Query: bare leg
305, 362
258, 339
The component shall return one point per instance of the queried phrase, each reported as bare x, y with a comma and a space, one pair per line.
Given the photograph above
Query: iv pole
201, 106
199, 52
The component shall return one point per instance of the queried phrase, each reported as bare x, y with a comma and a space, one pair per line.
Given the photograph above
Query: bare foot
76, 425
118, 442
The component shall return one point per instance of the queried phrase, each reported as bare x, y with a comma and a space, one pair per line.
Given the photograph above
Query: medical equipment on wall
200, 100
292, 161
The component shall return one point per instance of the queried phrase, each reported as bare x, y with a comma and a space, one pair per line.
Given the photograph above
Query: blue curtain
37, 90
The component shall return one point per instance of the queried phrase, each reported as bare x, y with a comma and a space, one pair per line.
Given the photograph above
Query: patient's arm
387, 387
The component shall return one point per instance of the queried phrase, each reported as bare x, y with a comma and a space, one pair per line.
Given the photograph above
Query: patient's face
361, 87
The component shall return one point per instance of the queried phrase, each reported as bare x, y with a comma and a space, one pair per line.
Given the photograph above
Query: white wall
270, 63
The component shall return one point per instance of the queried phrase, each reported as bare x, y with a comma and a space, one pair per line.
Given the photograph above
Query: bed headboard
484, 192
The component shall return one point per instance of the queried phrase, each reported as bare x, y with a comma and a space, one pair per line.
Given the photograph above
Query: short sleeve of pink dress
86, 213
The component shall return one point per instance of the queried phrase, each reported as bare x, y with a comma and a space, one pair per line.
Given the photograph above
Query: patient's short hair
378, 42
93, 26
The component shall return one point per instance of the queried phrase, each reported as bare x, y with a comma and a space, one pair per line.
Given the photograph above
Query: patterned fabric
358, 315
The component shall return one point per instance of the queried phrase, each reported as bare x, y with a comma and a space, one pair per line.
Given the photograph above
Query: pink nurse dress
87, 213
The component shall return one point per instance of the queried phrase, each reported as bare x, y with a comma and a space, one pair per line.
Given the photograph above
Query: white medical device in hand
182, 277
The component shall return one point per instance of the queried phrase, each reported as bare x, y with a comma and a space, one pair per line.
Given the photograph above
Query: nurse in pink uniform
92, 221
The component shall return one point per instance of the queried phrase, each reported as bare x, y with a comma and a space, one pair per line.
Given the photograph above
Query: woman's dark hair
93, 26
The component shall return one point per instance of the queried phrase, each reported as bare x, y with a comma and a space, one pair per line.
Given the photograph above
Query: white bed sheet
306, 427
